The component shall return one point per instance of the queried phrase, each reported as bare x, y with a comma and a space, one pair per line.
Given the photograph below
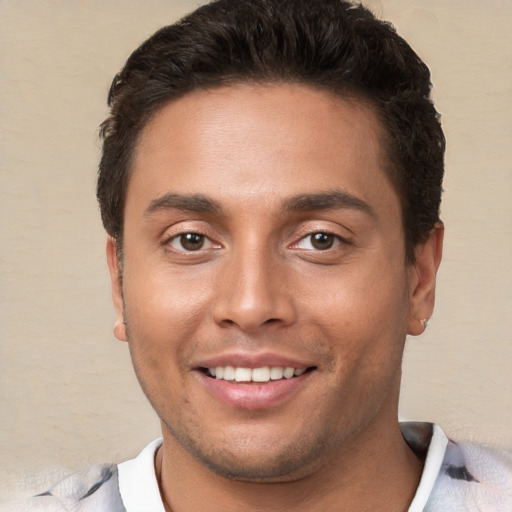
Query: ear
116, 282
422, 280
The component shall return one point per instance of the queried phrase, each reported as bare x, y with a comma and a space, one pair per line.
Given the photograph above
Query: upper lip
253, 360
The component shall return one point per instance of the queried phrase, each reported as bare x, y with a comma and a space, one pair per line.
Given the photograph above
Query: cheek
162, 324
363, 316
167, 297
363, 297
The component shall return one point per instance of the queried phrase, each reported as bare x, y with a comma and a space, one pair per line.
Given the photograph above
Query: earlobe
117, 289
422, 280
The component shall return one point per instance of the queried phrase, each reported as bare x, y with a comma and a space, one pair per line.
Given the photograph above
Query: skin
259, 285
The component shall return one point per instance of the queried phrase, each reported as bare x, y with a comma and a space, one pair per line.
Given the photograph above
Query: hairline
348, 93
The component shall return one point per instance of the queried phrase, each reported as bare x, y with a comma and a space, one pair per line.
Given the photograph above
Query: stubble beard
310, 450
275, 463
290, 461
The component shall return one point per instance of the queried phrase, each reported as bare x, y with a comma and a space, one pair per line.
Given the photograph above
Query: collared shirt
456, 477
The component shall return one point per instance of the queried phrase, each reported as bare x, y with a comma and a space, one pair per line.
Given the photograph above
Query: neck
378, 472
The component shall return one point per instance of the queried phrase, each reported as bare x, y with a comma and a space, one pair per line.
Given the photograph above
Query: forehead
239, 142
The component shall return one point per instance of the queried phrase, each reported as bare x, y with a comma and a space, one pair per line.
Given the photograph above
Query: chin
278, 468
265, 461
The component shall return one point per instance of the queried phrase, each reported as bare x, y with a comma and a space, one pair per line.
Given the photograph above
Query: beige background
68, 395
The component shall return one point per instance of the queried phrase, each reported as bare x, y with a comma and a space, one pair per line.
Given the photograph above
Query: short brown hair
330, 44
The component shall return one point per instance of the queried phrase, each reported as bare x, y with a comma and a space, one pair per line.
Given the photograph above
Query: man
270, 184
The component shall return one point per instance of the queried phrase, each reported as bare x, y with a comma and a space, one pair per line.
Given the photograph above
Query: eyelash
169, 241
337, 240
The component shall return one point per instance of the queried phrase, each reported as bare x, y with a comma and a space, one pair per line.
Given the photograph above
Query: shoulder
94, 488
473, 477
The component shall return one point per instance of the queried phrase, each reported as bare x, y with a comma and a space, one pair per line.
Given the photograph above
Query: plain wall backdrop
68, 393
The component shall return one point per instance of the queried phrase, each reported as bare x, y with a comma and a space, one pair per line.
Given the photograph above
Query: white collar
434, 459
138, 484
140, 493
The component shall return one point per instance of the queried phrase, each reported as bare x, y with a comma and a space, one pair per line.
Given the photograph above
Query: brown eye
319, 241
191, 241
322, 241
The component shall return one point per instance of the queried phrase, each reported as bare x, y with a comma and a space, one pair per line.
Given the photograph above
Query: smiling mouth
254, 375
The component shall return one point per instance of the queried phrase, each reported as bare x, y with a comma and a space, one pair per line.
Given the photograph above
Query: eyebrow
332, 200
191, 203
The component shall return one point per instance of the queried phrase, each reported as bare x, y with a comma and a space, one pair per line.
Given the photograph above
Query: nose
252, 292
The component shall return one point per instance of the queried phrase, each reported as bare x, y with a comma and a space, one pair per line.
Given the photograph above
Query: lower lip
252, 396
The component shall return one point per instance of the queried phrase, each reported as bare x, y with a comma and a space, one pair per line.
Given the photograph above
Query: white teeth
229, 373
263, 374
276, 373
243, 375
288, 373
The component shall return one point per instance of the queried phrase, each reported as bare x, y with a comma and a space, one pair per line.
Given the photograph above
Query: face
264, 286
